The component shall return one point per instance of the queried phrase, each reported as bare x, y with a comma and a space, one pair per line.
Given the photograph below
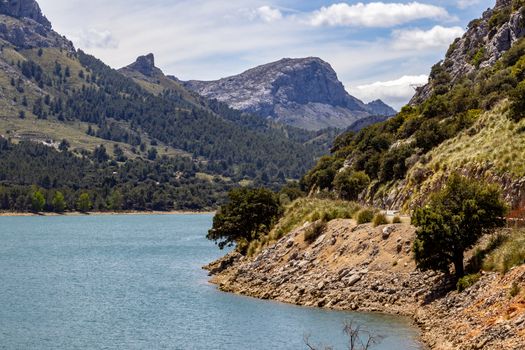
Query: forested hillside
50, 92
468, 119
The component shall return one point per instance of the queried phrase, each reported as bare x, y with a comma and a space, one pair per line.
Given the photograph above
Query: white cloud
394, 92
463, 4
376, 14
418, 39
93, 38
269, 14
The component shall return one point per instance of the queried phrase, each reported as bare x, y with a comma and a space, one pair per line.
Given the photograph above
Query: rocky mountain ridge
301, 92
482, 45
24, 9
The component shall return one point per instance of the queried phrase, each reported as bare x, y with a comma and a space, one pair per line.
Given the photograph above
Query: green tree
84, 203
517, 106
247, 215
38, 201
116, 200
453, 221
58, 202
349, 184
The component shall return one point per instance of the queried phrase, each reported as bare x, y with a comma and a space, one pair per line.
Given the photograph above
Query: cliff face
301, 92
24, 9
485, 41
23, 25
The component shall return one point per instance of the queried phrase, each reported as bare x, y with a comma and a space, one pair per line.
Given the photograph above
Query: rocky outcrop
23, 25
24, 9
145, 65
485, 41
301, 92
365, 268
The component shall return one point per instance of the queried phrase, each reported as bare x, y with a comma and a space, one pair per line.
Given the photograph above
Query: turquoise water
135, 282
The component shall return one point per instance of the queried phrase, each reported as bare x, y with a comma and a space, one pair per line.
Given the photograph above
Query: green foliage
248, 215
310, 210
314, 231
453, 221
323, 174
467, 281
349, 184
365, 216
37, 201
163, 184
84, 203
58, 202
499, 18
292, 191
379, 219
515, 289
517, 107
394, 166
510, 253
478, 57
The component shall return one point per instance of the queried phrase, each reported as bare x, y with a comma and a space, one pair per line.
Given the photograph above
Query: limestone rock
301, 92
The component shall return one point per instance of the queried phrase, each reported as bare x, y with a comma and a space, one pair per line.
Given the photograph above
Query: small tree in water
358, 339
453, 221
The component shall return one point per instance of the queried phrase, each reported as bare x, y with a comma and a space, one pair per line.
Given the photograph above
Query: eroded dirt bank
359, 267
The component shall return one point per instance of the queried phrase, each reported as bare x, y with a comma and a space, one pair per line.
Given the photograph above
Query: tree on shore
38, 201
248, 214
453, 221
84, 203
58, 202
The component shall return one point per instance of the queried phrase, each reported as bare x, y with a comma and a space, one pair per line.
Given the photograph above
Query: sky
378, 49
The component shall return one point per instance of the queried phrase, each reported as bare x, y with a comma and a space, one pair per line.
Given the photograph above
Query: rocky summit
144, 65
304, 92
24, 9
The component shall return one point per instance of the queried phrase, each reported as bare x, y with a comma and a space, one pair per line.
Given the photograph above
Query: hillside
305, 93
52, 92
467, 119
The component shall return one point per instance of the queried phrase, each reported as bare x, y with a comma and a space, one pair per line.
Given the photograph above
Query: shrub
517, 106
365, 216
314, 231
467, 281
379, 219
396, 219
509, 254
349, 184
514, 289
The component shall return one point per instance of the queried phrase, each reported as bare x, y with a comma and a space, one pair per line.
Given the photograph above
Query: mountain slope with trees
467, 119
50, 92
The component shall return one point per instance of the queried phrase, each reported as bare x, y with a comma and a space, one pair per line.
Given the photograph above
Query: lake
135, 282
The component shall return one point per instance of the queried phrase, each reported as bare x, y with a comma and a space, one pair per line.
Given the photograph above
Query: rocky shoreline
362, 268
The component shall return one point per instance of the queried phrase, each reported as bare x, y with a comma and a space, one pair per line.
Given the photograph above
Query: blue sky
377, 48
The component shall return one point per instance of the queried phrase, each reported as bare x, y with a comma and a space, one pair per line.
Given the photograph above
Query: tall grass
509, 254
305, 210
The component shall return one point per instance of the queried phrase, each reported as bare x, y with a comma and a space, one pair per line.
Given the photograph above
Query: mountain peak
303, 92
145, 65
24, 9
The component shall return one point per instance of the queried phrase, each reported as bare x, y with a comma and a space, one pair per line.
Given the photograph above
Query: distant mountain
305, 93
184, 150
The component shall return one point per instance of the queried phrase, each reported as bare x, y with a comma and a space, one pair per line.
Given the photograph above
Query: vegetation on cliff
410, 155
